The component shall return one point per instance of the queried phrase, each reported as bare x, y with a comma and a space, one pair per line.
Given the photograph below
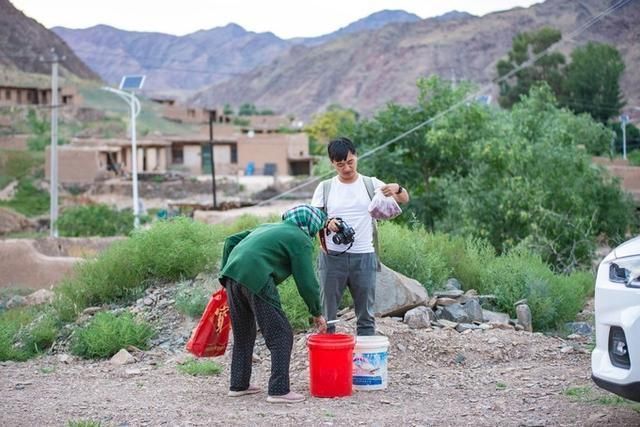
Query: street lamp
127, 86
624, 119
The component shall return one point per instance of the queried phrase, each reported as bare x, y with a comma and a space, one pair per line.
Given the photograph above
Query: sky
285, 18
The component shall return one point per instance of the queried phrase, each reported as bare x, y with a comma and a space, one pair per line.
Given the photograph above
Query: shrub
168, 251
519, 274
192, 300
94, 220
200, 368
29, 200
25, 332
107, 333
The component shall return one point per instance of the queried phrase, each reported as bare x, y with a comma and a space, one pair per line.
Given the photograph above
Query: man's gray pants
338, 271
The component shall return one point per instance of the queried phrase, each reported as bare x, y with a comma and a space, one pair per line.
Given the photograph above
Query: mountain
172, 62
195, 60
365, 70
23, 41
372, 22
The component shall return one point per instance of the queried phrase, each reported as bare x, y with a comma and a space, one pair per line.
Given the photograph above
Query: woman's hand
320, 324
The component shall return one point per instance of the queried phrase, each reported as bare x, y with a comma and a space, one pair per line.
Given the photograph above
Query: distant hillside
368, 69
195, 60
23, 41
372, 22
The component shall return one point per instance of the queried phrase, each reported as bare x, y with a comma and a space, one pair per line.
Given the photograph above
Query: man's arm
399, 193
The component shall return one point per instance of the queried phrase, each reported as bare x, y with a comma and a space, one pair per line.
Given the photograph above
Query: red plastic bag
383, 207
211, 336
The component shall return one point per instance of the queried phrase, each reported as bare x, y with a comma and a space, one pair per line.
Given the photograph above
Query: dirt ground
436, 377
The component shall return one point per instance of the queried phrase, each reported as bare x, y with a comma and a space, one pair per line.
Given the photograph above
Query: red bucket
330, 364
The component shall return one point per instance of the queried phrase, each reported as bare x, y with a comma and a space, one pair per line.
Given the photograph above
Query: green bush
192, 300
26, 332
199, 368
553, 298
94, 220
167, 251
28, 200
107, 333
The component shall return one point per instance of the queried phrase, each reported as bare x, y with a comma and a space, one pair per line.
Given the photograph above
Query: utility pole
53, 182
211, 159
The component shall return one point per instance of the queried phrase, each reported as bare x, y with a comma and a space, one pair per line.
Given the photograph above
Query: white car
615, 361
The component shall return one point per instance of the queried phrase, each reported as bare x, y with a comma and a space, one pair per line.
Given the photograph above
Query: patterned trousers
245, 309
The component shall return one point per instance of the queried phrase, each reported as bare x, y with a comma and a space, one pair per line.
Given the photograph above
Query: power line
464, 101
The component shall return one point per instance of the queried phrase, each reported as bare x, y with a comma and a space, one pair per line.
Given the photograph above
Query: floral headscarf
309, 218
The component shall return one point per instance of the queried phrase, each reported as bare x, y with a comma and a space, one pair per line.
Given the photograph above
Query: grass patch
107, 333
500, 386
168, 251
192, 300
590, 395
95, 220
200, 368
26, 332
28, 200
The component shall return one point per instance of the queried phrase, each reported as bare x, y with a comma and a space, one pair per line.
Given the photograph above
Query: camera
345, 234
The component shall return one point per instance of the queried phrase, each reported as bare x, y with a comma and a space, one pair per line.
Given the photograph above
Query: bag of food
383, 207
211, 335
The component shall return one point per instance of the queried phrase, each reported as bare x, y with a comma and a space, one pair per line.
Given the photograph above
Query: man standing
346, 199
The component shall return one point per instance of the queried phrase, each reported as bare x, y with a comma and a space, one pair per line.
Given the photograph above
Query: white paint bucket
370, 363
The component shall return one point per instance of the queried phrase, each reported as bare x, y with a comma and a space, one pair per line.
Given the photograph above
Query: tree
546, 68
228, 110
326, 126
247, 109
592, 81
514, 178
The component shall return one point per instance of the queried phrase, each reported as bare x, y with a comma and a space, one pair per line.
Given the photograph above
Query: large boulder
396, 294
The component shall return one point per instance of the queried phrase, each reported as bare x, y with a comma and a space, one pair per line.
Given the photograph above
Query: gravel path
436, 377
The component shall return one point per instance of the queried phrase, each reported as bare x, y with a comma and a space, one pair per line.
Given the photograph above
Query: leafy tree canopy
592, 81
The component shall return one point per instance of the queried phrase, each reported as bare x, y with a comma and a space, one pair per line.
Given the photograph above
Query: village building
32, 95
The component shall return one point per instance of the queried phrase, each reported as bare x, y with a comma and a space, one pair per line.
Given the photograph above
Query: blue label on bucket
358, 380
369, 369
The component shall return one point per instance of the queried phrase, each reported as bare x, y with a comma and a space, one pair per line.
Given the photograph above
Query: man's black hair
340, 148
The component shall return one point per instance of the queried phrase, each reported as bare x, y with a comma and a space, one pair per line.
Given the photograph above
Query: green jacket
272, 252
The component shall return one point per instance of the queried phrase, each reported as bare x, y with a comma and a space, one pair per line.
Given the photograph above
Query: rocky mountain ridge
366, 70
25, 45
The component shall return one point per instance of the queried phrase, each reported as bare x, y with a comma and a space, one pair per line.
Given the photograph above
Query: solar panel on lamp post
128, 85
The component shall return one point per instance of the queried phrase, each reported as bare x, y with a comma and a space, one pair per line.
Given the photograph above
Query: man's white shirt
349, 202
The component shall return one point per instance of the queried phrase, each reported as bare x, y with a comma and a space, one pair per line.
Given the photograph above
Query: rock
455, 313
396, 294
65, 358
474, 311
464, 327
442, 301
446, 323
41, 296
148, 301
132, 372
123, 357
450, 293
16, 301
493, 317
419, 317
523, 313
580, 328
453, 284
90, 311
500, 325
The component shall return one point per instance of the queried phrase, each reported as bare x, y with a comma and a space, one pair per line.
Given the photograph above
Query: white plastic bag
383, 207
